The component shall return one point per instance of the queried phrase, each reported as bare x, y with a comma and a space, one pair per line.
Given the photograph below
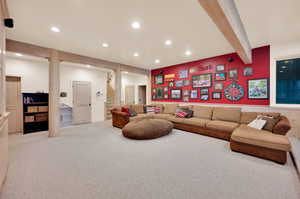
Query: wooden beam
38, 51
225, 15
54, 87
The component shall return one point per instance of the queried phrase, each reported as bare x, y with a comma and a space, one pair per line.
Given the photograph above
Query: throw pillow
157, 109
132, 113
257, 124
150, 109
186, 110
181, 114
125, 110
270, 122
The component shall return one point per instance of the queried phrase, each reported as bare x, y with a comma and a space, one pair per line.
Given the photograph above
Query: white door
13, 104
129, 95
82, 108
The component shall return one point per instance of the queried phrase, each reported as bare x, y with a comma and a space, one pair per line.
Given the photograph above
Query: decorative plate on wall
234, 92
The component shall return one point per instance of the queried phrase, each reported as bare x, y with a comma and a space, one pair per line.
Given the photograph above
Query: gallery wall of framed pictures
223, 79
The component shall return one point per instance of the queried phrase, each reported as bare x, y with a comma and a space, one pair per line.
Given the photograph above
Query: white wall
70, 73
130, 79
34, 78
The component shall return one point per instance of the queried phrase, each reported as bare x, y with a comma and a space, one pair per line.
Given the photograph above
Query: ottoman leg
262, 152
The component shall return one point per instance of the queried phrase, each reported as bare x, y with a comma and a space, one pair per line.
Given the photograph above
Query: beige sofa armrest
283, 126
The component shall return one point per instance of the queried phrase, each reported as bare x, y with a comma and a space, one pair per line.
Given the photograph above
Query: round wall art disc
234, 92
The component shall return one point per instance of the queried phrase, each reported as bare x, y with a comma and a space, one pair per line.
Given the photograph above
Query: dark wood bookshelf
35, 112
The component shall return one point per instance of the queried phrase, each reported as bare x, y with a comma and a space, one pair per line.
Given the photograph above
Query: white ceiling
86, 24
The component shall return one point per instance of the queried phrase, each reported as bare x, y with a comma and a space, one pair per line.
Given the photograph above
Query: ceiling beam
38, 51
225, 15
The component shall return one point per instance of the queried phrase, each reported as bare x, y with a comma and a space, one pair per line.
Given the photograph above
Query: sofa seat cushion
227, 127
203, 112
140, 117
227, 114
173, 118
262, 138
196, 122
161, 116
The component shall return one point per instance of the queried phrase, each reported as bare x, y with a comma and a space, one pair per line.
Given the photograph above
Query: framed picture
186, 82
194, 94
153, 97
220, 76
218, 86
233, 73
176, 94
186, 92
193, 69
166, 89
204, 97
154, 90
183, 74
159, 79
201, 81
204, 91
248, 71
186, 98
258, 89
171, 84
217, 95
220, 68
159, 93
179, 83
166, 96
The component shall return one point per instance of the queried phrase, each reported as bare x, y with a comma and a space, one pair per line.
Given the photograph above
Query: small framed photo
216, 95
220, 76
176, 94
179, 83
202, 80
159, 79
204, 97
204, 91
166, 96
153, 97
186, 98
183, 74
248, 71
186, 92
159, 93
220, 68
171, 84
194, 94
193, 70
166, 89
154, 90
233, 73
218, 86
186, 82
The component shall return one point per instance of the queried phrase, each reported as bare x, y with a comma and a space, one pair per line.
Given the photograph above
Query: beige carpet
96, 162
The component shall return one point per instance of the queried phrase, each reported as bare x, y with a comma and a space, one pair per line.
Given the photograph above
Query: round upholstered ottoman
147, 129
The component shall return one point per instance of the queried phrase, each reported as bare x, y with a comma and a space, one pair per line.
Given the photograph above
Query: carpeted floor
96, 162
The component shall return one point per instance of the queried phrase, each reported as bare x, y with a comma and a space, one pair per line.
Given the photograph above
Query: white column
149, 89
118, 86
54, 87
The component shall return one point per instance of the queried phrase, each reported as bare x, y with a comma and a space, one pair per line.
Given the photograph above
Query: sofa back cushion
170, 108
138, 108
227, 114
203, 112
247, 117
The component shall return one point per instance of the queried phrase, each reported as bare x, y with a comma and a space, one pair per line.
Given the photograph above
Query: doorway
129, 95
14, 104
142, 94
82, 109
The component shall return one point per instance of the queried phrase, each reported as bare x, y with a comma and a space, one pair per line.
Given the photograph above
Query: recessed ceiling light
126, 72
105, 45
168, 42
88, 66
157, 61
188, 53
136, 25
55, 29
136, 54
283, 67
19, 54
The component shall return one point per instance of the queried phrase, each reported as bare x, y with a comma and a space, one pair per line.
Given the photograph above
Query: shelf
36, 103
34, 112
35, 122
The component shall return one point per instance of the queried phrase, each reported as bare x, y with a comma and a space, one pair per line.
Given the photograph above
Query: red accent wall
260, 65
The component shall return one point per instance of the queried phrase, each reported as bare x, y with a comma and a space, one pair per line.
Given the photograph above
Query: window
288, 81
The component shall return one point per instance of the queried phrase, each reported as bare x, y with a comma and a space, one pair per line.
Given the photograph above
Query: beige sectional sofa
224, 123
